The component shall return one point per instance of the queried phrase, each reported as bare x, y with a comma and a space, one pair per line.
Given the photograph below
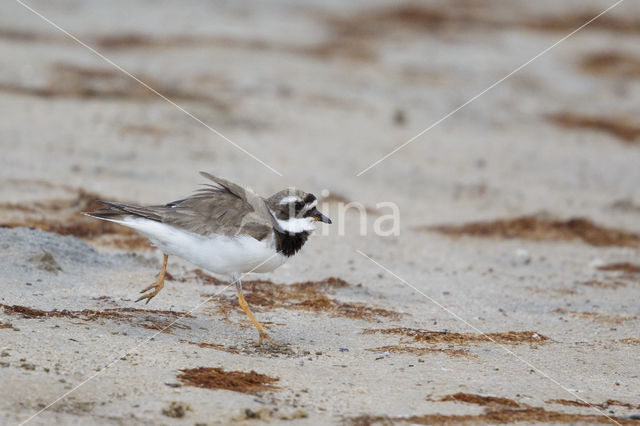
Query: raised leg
245, 307
155, 288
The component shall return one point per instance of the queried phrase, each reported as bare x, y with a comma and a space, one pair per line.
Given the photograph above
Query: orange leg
245, 307
158, 285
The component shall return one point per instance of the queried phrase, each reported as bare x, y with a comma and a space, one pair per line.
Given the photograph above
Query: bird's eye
298, 205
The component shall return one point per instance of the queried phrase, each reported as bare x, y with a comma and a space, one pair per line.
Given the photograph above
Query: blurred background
319, 91
536, 179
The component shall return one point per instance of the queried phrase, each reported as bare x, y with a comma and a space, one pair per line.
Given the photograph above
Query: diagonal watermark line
488, 89
118, 67
135, 348
477, 330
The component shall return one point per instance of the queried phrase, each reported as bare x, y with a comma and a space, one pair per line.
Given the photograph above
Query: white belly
217, 253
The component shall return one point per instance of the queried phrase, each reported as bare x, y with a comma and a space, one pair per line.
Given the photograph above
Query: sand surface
510, 293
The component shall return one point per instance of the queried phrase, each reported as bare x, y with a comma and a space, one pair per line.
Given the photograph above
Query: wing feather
222, 208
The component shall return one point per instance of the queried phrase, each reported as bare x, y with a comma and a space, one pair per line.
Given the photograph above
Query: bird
224, 228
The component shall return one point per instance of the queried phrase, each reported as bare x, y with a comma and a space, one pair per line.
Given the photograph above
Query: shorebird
224, 228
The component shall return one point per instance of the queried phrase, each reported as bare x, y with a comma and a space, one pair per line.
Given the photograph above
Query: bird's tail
117, 212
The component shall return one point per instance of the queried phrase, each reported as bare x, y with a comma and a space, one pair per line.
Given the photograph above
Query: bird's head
295, 210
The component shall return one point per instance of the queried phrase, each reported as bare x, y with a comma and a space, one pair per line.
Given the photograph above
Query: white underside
217, 253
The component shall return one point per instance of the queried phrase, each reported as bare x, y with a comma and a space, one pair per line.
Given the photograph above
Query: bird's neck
289, 243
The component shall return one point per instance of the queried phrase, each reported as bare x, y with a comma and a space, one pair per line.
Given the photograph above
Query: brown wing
223, 208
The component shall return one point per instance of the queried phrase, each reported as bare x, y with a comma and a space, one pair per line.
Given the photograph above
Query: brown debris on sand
109, 313
164, 321
612, 64
625, 274
236, 381
471, 398
542, 228
615, 24
63, 216
450, 339
23, 36
414, 350
465, 339
27, 312
603, 405
79, 82
215, 346
598, 316
153, 131
374, 22
625, 128
626, 267
603, 284
308, 296
494, 417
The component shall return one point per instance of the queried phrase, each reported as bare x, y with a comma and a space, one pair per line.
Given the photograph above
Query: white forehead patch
289, 199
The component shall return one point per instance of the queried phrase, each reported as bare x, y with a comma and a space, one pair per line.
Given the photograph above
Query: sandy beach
509, 292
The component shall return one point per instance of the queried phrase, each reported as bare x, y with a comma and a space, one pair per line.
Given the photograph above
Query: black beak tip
321, 218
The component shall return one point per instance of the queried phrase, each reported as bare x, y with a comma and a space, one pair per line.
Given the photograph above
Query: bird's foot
151, 291
155, 288
264, 336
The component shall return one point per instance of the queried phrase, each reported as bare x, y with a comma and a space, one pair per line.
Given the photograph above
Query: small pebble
399, 117
383, 355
